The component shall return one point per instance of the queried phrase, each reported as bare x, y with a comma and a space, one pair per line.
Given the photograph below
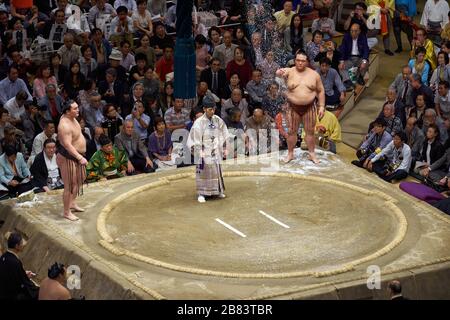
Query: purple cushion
421, 191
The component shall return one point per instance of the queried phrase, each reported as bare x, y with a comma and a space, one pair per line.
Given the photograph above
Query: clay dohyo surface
331, 226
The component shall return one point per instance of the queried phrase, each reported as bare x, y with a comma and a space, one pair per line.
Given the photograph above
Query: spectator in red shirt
240, 66
165, 63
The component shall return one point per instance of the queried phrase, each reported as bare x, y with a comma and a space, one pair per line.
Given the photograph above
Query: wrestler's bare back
69, 133
302, 85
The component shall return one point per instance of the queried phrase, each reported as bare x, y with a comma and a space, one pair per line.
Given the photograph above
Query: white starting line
226, 225
273, 219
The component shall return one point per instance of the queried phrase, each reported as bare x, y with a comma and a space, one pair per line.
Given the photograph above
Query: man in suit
225, 51
355, 53
418, 88
45, 171
15, 282
403, 87
112, 89
395, 290
215, 77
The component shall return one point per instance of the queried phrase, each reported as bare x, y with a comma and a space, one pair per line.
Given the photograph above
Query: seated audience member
130, 142
331, 53
160, 39
32, 123
53, 287
12, 85
394, 161
414, 138
107, 163
442, 100
403, 87
430, 118
442, 72
420, 66
137, 72
328, 131
51, 104
16, 108
160, 145
12, 137
236, 101
418, 110
140, 119
112, 122
419, 88
69, 52
257, 128
324, 24
45, 171
92, 143
395, 290
438, 170
354, 55
393, 123
165, 64
233, 119
215, 77
241, 66
121, 27
422, 41
15, 282
268, 67
256, 88
39, 140
432, 149
177, 117
14, 173
112, 89
272, 102
314, 46
128, 60
334, 88
375, 141
225, 52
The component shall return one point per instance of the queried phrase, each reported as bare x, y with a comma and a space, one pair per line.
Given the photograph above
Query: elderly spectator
257, 129
140, 119
395, 290
69, 52
255, 53
256, 88
129, 141
430, 118
284, 16
355, 53
11, 85
442, 72
107, 163
334, 88
418, 111
403, 87
53, 287
215, 77
393, 122
14, 173
45, 171
419, 65
15, 282
177, 117
225, 51
359, 16
415, 137
93, 114
399, 107
235, 101
422, 41
272, 102
375, 141
442, 100
393, 162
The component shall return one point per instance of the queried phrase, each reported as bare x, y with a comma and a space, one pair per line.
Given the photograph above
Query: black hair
362, 5
447, 59
55, 270
317, 32
66, 106
420, 50
14, 238
396, 287
104, 140
445, 84
401, 135
122, 9
380, 122
10, 150
140, 56
48, 141
200, 39
325, 60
